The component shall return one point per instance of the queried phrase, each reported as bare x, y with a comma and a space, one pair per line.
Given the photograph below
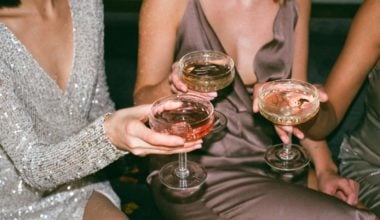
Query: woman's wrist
330, 169
106, 125
107, 131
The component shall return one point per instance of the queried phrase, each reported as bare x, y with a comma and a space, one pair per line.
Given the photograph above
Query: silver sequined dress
49, 138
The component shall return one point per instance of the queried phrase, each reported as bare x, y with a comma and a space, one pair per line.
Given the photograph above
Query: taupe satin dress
360, 151
238, 184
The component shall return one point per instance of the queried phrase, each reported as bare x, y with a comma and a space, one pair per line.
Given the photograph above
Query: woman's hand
126, 130
327, 178
177, 86
343, 188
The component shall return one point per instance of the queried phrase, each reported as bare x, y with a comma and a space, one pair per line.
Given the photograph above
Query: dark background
328, 30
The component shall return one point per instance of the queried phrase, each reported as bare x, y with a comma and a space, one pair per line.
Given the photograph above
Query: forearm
47, 165
320, 155
322, 124
150, 93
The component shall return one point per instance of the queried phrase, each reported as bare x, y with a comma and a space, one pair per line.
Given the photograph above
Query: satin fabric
360, 152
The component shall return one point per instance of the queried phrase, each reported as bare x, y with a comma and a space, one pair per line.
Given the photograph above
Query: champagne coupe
288, 102
207, 71
191, 117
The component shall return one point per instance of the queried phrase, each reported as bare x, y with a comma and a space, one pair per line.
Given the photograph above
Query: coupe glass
207, 71
188, 116
288, 102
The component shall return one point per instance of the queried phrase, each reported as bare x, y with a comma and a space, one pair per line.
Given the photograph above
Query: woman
271, 35
358, 61
55, 121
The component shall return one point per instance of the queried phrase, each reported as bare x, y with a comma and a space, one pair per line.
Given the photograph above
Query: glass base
220, 122
218, 130
196, 176
280, 160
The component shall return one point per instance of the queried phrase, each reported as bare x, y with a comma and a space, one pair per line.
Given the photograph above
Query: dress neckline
42, 71
215, 36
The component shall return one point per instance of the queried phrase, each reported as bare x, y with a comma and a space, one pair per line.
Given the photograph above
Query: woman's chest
243, 30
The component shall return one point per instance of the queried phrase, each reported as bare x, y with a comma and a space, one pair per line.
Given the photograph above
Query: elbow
43, 181
39, 183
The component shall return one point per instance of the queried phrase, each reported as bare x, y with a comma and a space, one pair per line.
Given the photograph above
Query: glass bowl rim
199, 53
177, 97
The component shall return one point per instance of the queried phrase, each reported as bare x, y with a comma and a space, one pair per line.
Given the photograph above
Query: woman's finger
174, 89
298, 133
353, 199
140, 147
209, 96
282, 132
341, 195
323, 97
143, 151
348, 189
176, 81
255, 96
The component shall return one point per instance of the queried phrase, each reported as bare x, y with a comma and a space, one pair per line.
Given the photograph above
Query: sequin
52, 141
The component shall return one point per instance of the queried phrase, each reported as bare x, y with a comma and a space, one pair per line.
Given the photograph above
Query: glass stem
287, 153
182, 171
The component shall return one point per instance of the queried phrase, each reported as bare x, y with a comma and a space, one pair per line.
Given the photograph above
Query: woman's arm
328, 179
45, 165
159, 21
301, 41
327, 174
359, 55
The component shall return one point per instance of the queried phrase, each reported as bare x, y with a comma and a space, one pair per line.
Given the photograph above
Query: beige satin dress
239, 184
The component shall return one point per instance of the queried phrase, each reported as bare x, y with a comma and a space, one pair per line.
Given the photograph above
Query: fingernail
284, 139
